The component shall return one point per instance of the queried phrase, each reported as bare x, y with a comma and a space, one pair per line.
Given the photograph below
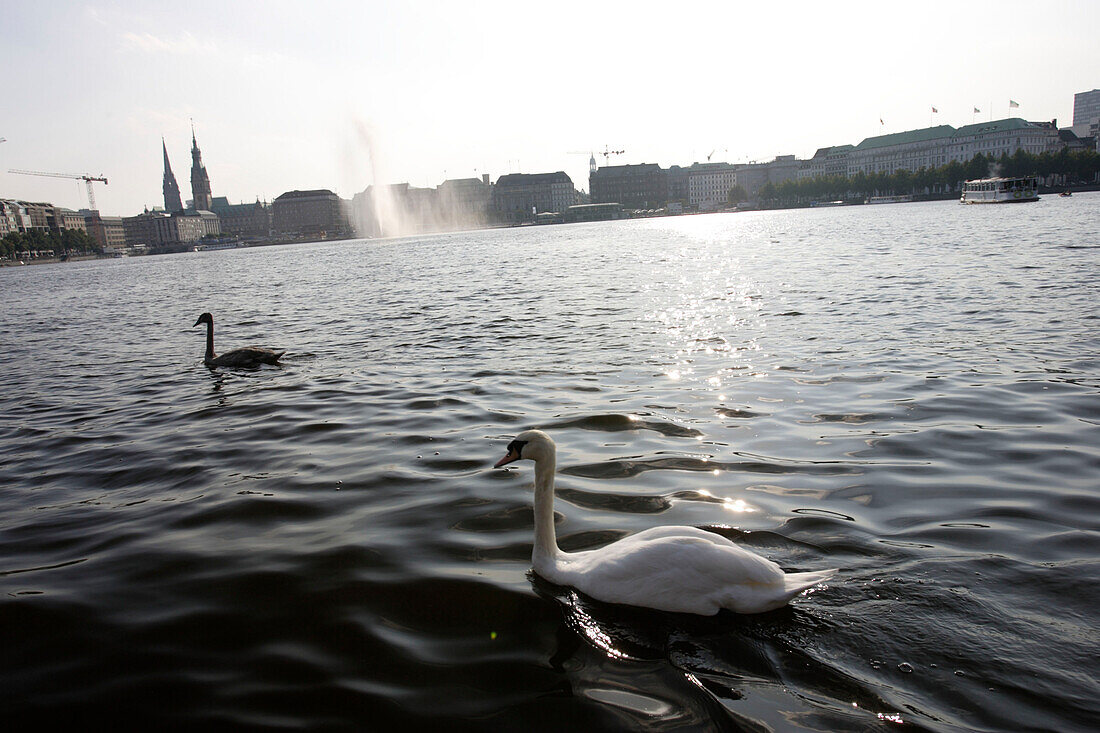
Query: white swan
683, 569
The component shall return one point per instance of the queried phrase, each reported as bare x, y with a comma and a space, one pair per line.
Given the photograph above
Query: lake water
910, 393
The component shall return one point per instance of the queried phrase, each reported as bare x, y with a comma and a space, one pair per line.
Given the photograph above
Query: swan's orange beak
512, 456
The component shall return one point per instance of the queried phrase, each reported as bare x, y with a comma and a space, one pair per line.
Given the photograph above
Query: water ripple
892, 391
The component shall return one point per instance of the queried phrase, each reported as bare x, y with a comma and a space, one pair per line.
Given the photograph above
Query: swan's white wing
654, 533
677, 569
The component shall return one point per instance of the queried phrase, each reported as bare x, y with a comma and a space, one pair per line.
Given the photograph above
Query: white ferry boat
217, 244
1001, 190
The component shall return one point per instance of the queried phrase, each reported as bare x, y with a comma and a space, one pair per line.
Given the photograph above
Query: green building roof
904, 138
981, 128
945, 132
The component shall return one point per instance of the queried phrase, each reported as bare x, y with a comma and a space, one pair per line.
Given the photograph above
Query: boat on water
816, 204
217, 244
900, 199
1001, 190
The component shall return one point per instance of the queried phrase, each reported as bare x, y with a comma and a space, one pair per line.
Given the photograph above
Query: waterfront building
464, 202
107, 231
709, 184
642, 186
242, 220
676, 185
317, 213
179, 229
815, 166
831, 161
38, 214
1086, 107
381, 211
209, 221
935, 146
159, 229
421, 205
752, 177
13, 217
785, 168
200, 181
170, 188
140, 232
836, 160
69, 219
48, 217
1003, 137
910, 150
520, 197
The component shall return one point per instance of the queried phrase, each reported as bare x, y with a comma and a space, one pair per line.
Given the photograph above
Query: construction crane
607, 153
87, 181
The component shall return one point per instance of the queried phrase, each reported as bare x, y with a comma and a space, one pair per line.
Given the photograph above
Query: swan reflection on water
658, 670
622, 658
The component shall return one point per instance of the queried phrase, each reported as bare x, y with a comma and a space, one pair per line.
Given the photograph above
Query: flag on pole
1012, 105
880, 121
935, 111
977, 111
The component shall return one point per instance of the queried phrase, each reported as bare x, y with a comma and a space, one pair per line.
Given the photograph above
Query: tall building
141, 231
521, 196
13, 217
935, 146
642, 186
831, 161
464, 202
1086, 107
107, 231
242, 220
172, 200
200, 182
709, 185
318, 213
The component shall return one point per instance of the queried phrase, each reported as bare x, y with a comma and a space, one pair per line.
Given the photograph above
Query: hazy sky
285, 95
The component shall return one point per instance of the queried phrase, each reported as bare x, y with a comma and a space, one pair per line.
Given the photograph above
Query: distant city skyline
287, 96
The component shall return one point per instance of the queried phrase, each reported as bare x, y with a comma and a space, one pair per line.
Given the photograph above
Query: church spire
171, 188
200, 181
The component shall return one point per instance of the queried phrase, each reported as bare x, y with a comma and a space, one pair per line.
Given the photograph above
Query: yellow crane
87, 181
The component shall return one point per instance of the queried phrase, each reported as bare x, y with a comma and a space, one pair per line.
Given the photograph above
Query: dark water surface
910, 393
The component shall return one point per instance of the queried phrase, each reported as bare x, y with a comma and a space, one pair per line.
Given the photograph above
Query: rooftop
983, 128
907, 137
306, 194
524, 179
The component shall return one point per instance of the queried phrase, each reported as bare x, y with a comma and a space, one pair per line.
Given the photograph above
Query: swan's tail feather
795, 583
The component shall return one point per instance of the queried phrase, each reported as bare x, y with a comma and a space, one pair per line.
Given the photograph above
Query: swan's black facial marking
515, 451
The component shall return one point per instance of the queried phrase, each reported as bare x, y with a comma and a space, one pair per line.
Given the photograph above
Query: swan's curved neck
209, 341
546, 549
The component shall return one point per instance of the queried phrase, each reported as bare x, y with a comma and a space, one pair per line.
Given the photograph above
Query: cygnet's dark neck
209, 340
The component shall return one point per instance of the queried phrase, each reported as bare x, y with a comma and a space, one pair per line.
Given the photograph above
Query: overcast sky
298, 95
